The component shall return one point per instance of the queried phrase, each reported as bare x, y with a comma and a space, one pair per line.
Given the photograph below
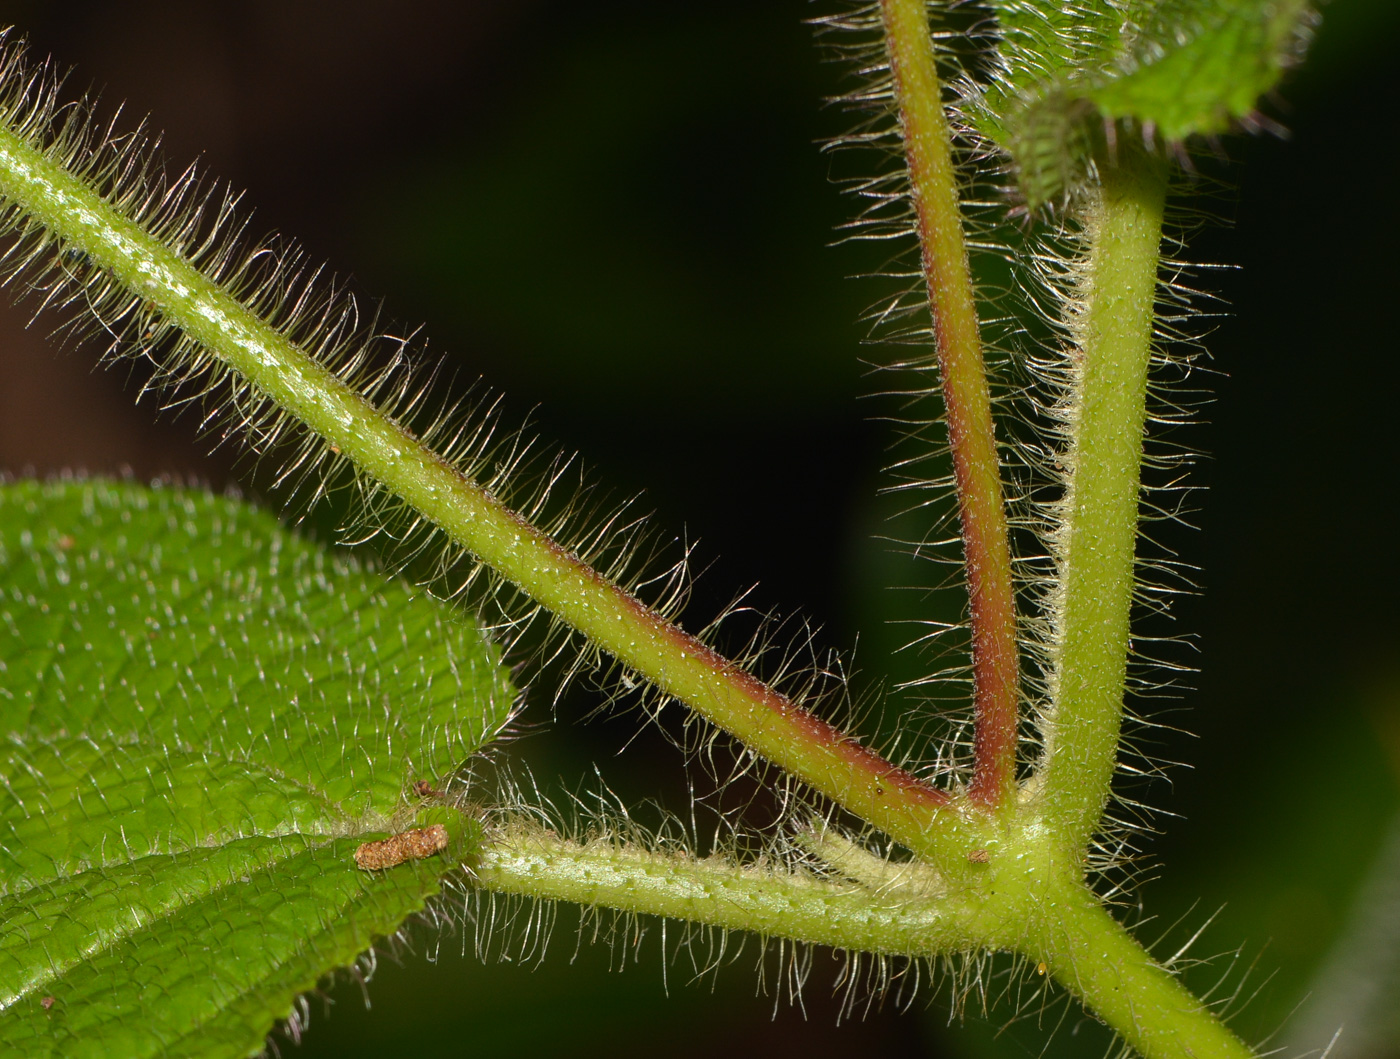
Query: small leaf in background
202, 716
1172, 68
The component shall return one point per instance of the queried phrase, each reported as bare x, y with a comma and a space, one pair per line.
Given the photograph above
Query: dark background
617, 214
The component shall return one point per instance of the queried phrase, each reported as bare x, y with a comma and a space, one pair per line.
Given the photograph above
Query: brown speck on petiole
414, 844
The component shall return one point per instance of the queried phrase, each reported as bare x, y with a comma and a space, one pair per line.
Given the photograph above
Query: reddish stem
966, 397
770, 723
267, 364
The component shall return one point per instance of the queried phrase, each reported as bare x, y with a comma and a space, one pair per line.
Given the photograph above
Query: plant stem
966, 397
534, 863
1106, 415
1037, 906
1090, 953
261, 357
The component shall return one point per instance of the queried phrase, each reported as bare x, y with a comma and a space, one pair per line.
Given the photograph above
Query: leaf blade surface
201, 717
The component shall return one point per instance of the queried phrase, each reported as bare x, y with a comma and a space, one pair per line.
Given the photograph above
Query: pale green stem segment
767, 722
966, 398
1033, 904
844, 915
1090, 953
1100, 508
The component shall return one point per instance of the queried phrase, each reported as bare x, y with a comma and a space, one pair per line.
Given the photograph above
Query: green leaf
201, 717
1172, 68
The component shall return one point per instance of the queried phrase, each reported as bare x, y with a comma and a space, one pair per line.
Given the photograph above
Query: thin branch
912, 921
1106, 417
259, 356
966, 397
1095, 958
1046, 914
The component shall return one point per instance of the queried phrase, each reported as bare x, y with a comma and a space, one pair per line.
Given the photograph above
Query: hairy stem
1090, 953
966, 397
679, 664
1100, 508
539, 864
1035, 906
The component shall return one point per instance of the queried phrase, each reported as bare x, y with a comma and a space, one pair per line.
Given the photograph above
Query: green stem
1033, 904
1106, 417
539, 864
1090, 953
676, 662
966, 397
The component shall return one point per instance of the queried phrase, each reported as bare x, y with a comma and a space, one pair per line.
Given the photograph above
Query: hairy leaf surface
1171, 68
201, 717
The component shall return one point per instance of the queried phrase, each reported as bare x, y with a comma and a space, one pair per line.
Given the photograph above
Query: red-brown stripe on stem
966, 397
856, 771
268, 364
